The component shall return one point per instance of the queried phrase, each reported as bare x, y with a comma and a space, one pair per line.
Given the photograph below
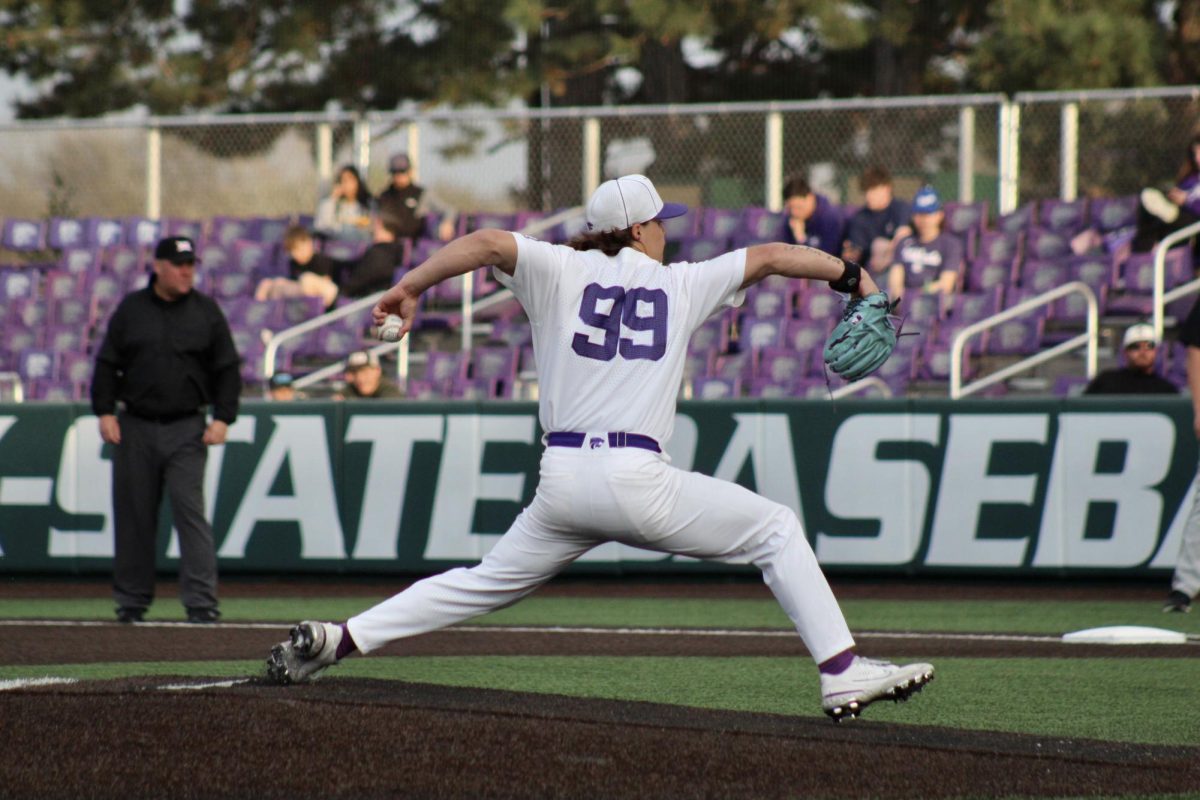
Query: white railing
861, 385
1162, 297
1087, 339
469, 309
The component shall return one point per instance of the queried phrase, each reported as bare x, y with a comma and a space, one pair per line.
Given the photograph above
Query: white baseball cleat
310, 648
845, 695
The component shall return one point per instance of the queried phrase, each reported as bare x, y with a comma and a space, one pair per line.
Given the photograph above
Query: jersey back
610, 333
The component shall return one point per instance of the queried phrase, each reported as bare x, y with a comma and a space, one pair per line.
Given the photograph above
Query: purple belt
572, 439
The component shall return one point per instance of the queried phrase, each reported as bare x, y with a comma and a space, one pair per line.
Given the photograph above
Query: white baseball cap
623, 202
1141, 332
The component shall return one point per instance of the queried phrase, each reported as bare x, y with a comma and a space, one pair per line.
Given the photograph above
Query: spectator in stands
1137, 376
929, 260
1185, 582
1162, 214
168, 358
874, 230
310, 274
365, 381
346, 212
282, 388
411, 203
375, 271
809, 218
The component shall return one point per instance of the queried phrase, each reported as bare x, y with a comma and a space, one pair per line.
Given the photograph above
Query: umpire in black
167, 359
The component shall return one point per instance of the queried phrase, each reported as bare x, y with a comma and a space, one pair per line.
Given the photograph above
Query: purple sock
346, 646
838, 664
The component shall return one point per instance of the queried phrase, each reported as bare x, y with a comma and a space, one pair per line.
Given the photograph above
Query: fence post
1010, 156
774, 161
153, 171
966, 154
1068, 184
591, 156
324, 152
362, 144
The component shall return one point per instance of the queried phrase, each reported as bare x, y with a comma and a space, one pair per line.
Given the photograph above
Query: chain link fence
725, 155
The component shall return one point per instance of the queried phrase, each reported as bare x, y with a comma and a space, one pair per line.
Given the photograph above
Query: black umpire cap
176, 249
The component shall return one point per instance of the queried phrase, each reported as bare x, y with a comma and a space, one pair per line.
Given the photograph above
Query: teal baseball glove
864, 339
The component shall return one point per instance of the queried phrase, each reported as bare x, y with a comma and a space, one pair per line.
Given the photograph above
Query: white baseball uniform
609, 337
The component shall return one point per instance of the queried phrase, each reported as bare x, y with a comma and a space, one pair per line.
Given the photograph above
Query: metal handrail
469, 309
1088, 339
1160, 266
861, 386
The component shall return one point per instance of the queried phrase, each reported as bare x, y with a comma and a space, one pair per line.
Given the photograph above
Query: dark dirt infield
359, 738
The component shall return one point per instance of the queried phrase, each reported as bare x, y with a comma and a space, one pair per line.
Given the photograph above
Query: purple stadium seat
64, 232
497, 366
964, 217
64, 338
104, 232
1069, 385
759, 225
126, 261
987, 275
1044, 243
252, 257
698, 249
57, 285
805, 335
820, 305
71, 311
75, 367
781, 365
998, 245
1095, 269
1018, 220
921, 311
106, 289
1017, 336
713, 334
246, 313
175, 226
765, 388
767, 301
973, 306
716, 388
18, 282
1069, 216
720, 223
683, 227
215, 256
79, 260
226, 284
269, 230
224, 230
513, 332
443, 370
22, 235
1113, 213
53, 391
141, 231
697, 363
37, 364
1043, 275
759, 332
733, 365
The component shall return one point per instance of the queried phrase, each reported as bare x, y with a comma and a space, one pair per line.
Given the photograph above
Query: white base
1125, 634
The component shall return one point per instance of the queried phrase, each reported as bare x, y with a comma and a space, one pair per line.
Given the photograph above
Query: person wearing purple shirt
876, 228
809, 218
1161, 214
929, 260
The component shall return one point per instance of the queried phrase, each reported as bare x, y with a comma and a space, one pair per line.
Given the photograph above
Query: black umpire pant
153, 456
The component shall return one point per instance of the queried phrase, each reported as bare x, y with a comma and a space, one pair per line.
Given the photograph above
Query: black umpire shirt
166, 360
1129, 381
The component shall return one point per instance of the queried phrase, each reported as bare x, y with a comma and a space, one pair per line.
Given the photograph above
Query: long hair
363, 196
608, 242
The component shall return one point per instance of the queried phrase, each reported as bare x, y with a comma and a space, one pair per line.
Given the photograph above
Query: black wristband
848, 283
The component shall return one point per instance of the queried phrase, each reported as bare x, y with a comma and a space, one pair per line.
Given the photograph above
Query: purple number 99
626, 309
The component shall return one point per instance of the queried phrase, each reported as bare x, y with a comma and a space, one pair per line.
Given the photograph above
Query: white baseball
389, 331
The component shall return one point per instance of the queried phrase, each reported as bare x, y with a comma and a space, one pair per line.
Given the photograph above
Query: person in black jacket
167, 356
375, 270
411, 203
1137, 376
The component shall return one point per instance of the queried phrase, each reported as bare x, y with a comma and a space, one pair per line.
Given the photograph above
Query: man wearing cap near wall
281, 387
1140, 346
411, 203
611, 324
365, 381
166, 359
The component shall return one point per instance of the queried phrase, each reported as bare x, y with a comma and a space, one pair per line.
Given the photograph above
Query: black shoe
1177, 602
203, 616
130, 614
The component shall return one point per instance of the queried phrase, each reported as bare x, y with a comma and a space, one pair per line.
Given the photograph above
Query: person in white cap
611, 325
1140, 346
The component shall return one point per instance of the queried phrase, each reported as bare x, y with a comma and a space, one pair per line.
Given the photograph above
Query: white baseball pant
1187, 569
587, 497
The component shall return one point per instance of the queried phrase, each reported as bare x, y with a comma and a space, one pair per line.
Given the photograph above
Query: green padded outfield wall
1053, 487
